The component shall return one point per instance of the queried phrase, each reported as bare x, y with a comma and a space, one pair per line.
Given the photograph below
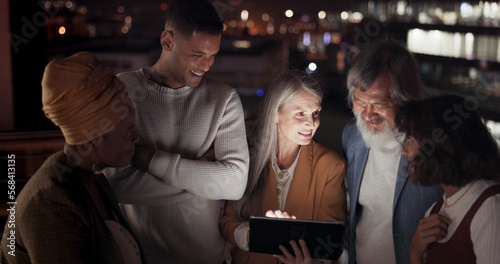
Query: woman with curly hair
448, 144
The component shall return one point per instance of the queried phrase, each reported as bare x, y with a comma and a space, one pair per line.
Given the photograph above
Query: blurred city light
311, 68
327, 38
344, 15
265, 17
260, 92
321, 14
62, 30
306, 39
244, 15
242, 44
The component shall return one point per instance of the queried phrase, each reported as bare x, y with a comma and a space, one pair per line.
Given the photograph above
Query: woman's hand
279, 214
301, 255
430, 229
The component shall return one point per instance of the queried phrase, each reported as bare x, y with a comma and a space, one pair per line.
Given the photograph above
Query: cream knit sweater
174, 208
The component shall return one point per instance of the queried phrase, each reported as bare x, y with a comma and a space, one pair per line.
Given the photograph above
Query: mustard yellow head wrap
83, 97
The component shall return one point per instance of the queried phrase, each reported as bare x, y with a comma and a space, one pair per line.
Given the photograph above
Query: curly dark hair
455, 146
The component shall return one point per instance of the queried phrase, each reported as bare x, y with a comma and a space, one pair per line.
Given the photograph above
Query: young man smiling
192, 150
385, 207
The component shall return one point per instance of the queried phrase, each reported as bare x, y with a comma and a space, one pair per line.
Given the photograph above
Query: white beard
377, 140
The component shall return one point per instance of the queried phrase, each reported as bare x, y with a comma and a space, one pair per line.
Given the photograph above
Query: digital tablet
324, 239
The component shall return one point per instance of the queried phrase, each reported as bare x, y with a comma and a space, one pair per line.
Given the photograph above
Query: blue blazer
410, 200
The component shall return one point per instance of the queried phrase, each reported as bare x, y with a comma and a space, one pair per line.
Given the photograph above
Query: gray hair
391, 59
264, 139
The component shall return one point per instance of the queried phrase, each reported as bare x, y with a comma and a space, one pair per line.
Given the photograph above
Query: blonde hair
264, 137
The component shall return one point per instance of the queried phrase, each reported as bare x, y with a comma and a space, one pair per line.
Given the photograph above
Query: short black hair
187, 16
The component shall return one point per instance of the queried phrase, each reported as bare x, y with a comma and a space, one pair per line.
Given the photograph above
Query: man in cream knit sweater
192, 150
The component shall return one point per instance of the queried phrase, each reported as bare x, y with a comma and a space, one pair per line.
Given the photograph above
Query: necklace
463, 194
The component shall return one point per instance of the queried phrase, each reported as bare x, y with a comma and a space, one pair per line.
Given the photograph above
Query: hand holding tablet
322, 238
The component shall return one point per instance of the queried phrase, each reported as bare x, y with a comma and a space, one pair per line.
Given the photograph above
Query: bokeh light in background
311, 68
321, 14
318, 33
244, 15
260, 92
120, 9
62, 30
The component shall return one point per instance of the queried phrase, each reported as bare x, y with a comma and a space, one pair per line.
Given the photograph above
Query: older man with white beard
385, 207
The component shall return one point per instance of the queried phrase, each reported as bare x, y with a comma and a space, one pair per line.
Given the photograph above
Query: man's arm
224, 178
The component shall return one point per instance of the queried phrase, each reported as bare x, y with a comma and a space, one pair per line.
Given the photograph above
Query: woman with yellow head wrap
67, 212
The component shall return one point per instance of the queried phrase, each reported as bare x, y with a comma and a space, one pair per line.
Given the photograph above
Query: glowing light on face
299, 119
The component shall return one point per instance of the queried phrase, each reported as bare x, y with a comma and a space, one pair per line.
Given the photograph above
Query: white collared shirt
283, 182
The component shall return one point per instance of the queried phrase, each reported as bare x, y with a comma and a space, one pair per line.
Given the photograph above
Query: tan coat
317, 192
57, 221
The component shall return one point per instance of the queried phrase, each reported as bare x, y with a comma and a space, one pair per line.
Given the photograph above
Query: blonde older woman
290, 173
67, 212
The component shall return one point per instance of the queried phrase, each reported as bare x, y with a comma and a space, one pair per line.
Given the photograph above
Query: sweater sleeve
171, 175
224, 178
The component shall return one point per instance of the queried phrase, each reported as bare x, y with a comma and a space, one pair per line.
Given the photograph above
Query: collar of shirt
284, 179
